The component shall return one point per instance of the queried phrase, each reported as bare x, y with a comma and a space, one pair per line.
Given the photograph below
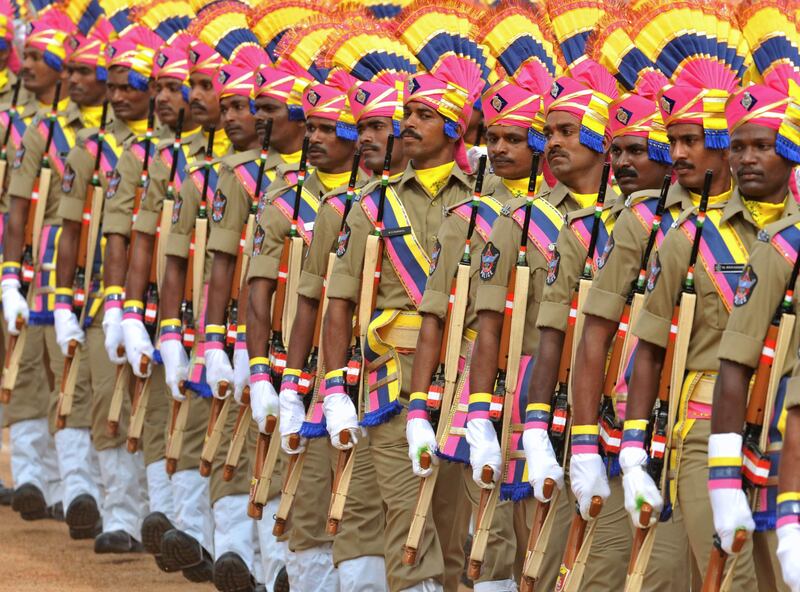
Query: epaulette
449, 209
638, 197
774, 230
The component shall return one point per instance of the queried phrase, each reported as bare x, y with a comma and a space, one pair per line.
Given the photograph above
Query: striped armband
64, 298
634, 432
170, 329
479, 404
585, 439
724, 472
215, 337
788, 508
241, 337
418, 406
114, 295
259, 369
537, 416
291, 380
133, 309
334, 382
11, 270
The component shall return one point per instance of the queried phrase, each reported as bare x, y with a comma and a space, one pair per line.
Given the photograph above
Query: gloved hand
293, 413
474, 155
241, 372
137, 344
263, 403
176, 366
340, 414
587, 475
112, 328
789, 554
14, 304
542, 463
484, 449
67, 329
421, 438
728, 504
638, 486
218, 369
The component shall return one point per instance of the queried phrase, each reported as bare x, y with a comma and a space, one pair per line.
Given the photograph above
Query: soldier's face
373, 135
203, 100
509, 153
169, 102
326, 151
129, 104
633, 169
285, 134
691, 158
423, 132
569, 160
761, 173
83, 86
37, 76
239, 123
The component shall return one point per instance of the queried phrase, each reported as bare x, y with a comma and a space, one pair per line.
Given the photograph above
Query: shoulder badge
489, 258
747, 283
603, 258
218, 206
258, 240
67, 179
343, 240
18, 156
437, 250
113, 184
552, 267
763, 236
176, 209
655, 271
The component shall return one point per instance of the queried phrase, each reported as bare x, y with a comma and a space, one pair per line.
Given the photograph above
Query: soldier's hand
263, 402
587, 475
241, 372
176, 366
218, 370
293, 413
137, 344
542, 462
114, 339
638, 486
14, 305
789, 554
728, 502
67, 329
484, 450
340, 413
421, 438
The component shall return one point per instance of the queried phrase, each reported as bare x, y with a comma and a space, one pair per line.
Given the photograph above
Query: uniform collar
735, 205
457, 173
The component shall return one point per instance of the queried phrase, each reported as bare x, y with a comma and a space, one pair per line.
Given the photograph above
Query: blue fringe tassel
612, 466
666, 512
717, 139
53, 61
201, 389
252, 107
296, 113
591, 140
765, 521
346, 131
516, 492
40, 318
450, 128
102, 74
185, 93
311, 430
138, 81
789, 150
658, 152
449, 458
535, 140
157, 357
396, 128
381, 415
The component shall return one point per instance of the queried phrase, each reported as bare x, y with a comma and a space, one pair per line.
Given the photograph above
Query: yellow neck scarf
519, 187
91, 115
434, 179
138, 127
221, 143
712, 199
3, 78
333, 180
764, 213
584, 200
292, 157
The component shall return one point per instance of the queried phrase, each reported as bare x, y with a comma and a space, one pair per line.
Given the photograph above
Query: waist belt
401, 332
702, 391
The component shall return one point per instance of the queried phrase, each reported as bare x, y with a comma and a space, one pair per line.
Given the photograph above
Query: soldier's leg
768, 570
451, 513
696, 508
154, 445
359, 546
607, 565
669, 569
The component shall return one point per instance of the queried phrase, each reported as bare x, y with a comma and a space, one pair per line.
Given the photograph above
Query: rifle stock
220, 406
262, 469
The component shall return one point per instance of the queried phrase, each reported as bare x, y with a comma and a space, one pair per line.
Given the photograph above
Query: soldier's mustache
407, 133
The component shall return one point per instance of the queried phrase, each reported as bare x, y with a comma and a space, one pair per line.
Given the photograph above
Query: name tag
392, 232
736, 268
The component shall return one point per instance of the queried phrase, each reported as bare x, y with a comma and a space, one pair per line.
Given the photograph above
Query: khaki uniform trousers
240, 483
156, 418
30, 398
195, 430
81, 416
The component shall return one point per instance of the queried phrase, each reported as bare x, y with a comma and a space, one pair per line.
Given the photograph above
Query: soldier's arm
22, 177
117, 221
177, 254
70, 211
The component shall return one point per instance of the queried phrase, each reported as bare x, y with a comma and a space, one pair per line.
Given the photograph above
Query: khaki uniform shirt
506, 237
28, 160
613, 281
666, 279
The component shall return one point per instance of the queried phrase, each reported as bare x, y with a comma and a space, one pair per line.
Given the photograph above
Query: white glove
263, 403
218, 369
542, 463
728, 504
67, 329
112, 328
340, 414
587, 477
14, 304
293, 413
421, 438
176, 366
137, 344
484, 449
474, 155
789, 554
638, 486
241, 373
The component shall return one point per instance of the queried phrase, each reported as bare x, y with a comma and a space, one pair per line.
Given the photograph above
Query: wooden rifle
579, 541
238, 290
669, 388
192, 288
502, 401
87, 246
443, 382
30, 253
610, 426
